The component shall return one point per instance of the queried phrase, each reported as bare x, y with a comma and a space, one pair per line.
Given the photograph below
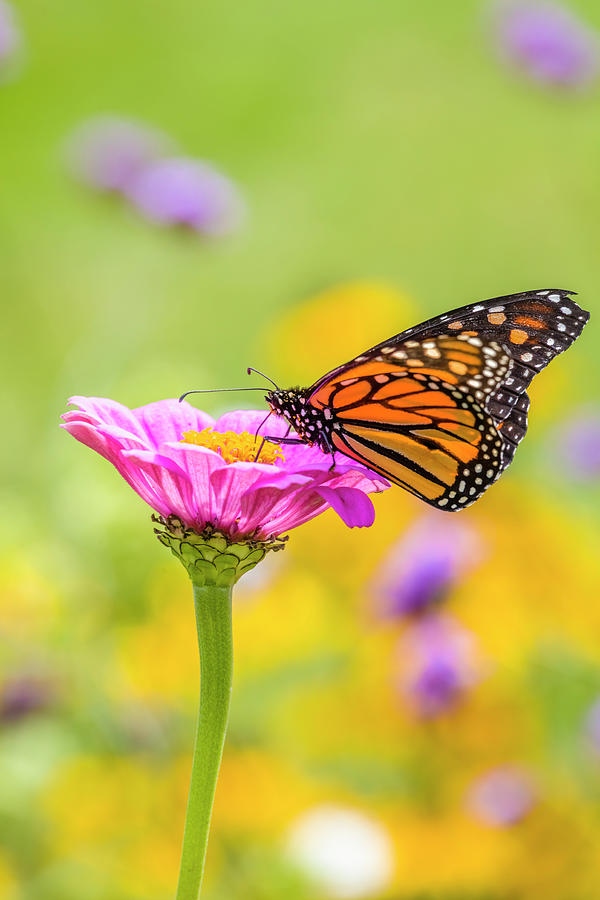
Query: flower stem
213, 621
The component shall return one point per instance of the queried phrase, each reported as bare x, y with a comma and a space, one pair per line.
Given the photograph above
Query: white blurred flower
345, 852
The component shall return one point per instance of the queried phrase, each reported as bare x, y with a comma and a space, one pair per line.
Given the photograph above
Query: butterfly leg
276, 440
282, 440
329, 449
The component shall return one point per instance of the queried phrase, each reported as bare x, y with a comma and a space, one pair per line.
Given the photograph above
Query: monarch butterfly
440, 408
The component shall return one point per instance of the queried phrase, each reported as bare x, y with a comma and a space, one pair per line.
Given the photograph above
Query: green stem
213, 621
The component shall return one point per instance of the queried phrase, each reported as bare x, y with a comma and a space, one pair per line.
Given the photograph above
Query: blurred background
191, 188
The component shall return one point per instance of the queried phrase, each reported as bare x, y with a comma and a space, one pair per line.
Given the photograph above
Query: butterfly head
285, 402
291, 404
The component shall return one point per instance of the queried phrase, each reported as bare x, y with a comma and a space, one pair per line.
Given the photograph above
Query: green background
378, 142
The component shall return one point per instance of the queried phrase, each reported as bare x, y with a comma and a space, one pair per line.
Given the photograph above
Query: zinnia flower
420, 569
186, 192
108, 152
184, 463
548, 42
224, 499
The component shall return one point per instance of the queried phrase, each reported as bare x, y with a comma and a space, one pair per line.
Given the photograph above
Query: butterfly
440, 408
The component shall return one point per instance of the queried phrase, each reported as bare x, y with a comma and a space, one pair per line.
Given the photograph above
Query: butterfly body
439, 408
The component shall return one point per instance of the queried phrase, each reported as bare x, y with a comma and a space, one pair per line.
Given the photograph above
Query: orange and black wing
441, 407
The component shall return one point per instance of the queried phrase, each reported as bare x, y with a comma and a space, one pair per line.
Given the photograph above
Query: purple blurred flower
21, 696
502, 796
592, 725
578, 445
438, 664
10, 37
186, 192
109, 152
548, 42
420, 569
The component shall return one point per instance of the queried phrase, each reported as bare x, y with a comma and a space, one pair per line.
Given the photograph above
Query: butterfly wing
441, 407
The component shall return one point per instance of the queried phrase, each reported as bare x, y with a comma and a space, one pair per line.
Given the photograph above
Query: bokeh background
416, 708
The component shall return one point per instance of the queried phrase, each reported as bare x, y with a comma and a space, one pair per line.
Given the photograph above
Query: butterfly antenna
219, 391
262, 375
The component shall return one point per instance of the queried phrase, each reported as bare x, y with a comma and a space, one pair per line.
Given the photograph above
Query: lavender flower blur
10, 36
189, 193
438, 663
577, 445
421, 568
22, 696
592, 725
501, 797
547, 42
108, 152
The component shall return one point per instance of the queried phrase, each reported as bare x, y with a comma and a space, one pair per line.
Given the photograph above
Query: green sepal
209, 556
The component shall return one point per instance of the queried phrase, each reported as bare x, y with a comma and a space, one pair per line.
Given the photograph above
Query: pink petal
229, 484
352, 506
199, 463
249, 420
100, 409
166, 420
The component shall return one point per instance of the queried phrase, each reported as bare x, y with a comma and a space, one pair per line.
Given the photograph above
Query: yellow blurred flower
120, 815
323, 331
8, 880
29, 602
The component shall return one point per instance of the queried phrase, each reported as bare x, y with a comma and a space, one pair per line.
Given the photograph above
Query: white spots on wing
566, 310
478, 308
327, 413
382, 378
556, 298
399, 354
550, 342
433, 353
443, 501
527, 357
561, 327
496, 309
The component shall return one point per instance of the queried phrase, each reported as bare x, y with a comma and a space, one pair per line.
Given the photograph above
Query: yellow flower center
234, 447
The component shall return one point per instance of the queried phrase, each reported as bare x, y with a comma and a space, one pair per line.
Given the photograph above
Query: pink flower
196, 483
